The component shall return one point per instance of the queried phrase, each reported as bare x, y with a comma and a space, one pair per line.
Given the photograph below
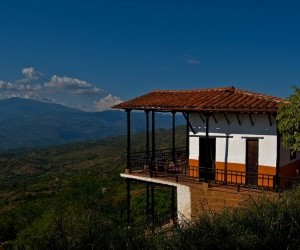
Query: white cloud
31, 74
2, 85
31, 95
191, 61
71, 92
67, 83
90, 91
9, 86
107, 102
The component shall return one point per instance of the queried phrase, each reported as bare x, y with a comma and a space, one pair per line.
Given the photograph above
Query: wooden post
173, 136
277, 178
128, 139
147, 133
128, 201
207, 147
152, 204
173, 213
153, 144
147, 201
226, 158
187, 139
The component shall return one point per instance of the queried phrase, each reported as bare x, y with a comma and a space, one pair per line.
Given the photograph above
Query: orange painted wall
193, 163
193, 168
266, 175
236, 173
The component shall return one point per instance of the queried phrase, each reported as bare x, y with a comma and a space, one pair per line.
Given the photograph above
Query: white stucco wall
234, 147
184, 202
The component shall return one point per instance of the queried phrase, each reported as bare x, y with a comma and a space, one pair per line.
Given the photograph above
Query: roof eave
195, 109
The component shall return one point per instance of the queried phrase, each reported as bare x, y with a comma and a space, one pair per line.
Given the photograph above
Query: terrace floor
194, 197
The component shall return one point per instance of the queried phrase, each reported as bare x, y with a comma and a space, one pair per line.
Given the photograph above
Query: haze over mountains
26, 123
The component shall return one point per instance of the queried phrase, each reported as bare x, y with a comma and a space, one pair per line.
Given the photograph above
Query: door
207, 157
251, 161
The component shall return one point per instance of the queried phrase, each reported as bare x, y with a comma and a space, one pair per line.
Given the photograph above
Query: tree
288, 118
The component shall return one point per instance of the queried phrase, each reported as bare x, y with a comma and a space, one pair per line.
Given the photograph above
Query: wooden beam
216, 121
128, 138
147, 133
250, 116
147, 201
152, 203
188, 122
213, 136
238, 118
228, 122
253, 137
277, 180
201, 117
270, 119
173, 204
187, 136
153, 143
207, 149
128, 201
173, 136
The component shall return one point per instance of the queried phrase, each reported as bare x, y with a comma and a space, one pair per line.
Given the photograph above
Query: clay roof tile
228, 99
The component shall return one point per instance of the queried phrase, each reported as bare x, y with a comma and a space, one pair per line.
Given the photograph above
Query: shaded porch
174, 163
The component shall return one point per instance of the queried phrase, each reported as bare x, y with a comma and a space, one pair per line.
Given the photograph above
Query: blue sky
91, 54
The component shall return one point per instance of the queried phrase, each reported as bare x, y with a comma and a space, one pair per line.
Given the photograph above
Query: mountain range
26, 123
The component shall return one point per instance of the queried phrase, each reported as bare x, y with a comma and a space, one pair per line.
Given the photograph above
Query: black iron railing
144, 162
228, 177
176, 164
245, 179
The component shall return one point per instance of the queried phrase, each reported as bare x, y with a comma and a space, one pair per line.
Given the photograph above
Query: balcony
174, 164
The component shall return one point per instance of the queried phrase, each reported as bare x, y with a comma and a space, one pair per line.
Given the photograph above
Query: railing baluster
140, 161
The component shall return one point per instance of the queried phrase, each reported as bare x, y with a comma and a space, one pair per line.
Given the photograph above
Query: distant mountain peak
17, 104
26, 123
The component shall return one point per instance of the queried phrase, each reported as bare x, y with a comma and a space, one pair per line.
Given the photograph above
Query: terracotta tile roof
227, 99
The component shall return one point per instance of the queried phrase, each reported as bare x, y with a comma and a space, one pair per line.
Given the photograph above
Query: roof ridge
193, 90
229, 89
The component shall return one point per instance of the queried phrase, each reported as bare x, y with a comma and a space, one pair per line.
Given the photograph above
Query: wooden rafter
270, 119
201, 117
189, 123
226, 118
251, 120
216, 121
239, 120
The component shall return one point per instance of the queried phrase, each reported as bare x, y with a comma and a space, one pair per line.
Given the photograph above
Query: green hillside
70, 182
72, 197
28, 124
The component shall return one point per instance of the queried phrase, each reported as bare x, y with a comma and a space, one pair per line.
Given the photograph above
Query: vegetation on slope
72, 197
266, 223
39, 185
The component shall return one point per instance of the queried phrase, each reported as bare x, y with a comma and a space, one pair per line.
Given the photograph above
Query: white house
231, 138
